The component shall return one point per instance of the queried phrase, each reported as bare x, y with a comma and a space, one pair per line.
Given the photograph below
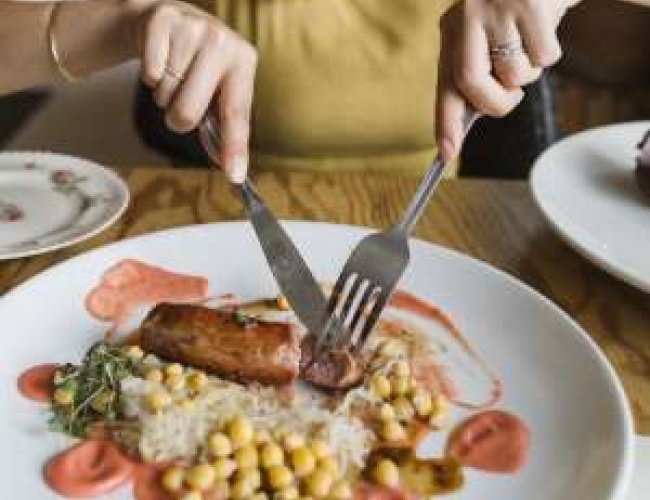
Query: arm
104, 38
187, 57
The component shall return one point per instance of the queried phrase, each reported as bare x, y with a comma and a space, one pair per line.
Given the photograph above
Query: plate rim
622, 477
621, 272
87, 164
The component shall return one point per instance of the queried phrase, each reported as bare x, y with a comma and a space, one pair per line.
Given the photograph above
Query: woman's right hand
193, 62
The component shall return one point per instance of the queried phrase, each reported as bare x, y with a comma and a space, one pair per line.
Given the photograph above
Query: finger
539, 39
155, 44
473, 75
183, 46
193, 98
234, 107
450, 106
450, 110
511, 70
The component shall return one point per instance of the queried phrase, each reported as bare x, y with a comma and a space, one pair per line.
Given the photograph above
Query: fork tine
361, 308
337, 290
377, 308
349, 299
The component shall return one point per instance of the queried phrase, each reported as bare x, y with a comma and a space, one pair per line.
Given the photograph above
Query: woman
348, 50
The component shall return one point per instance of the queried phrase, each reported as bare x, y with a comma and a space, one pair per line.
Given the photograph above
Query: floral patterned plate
48, 201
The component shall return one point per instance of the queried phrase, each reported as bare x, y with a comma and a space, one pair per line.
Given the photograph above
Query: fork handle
428, 184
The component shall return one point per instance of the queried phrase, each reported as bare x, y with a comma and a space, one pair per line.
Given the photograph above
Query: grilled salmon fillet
223, 343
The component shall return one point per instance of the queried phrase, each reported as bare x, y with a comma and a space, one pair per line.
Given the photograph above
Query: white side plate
49, 201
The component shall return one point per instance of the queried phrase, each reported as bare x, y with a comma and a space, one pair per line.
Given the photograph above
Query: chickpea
289, 493
175, 383
153, 375
219, 445
283, 303
391, 348
387, 412
156, 401
63, 397
440, 411
380, 386
279, 477
200, 477
173, 369
196, 381
187, 405
392, 430
400, 385
329, 464
241, 490
292, 441
341, 490
404, 410
101, 402
253, 476
402, 369
240, 432
134, 352
224, 467
172, 478
318, 483
191, 495
221, 489
246, 457
302, 461
422, 403
386, 473
271, 455
261, 436
320, 449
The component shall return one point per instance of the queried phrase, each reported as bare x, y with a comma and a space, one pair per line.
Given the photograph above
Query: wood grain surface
494, 221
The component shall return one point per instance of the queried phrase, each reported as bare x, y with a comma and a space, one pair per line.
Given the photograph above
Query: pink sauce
37, 383
91, 468
130, 284
427, 371
493, 441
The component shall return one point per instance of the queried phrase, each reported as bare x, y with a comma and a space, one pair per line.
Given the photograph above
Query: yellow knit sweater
341, 84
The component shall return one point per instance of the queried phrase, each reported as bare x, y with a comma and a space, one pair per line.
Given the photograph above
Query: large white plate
585, 187
554, 377
49, 201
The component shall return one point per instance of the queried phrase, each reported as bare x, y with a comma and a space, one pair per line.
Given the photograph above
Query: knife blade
292, 274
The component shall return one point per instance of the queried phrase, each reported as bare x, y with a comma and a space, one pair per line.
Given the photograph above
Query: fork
375, 266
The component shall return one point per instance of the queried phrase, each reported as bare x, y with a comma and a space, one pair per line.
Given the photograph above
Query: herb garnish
242, 319
92, 389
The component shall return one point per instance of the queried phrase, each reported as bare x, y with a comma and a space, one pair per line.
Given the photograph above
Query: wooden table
494, 221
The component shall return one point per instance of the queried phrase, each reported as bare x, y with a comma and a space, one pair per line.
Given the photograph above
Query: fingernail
238, 171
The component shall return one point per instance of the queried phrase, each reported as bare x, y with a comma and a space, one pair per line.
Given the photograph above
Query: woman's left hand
490, 49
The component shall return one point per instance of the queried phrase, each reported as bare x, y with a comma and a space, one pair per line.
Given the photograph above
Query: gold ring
506, 50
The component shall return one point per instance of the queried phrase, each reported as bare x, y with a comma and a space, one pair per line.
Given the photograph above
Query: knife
292, 274
295, 280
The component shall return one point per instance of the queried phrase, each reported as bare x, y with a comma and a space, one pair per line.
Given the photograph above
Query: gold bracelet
54, 49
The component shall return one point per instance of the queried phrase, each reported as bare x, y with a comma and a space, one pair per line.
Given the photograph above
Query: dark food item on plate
643, 164
337, 370
223, 342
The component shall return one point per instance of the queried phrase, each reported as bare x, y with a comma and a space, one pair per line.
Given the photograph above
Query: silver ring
508, 50
170, 72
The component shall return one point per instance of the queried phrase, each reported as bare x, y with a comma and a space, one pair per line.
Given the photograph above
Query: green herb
240, 318
94, 386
